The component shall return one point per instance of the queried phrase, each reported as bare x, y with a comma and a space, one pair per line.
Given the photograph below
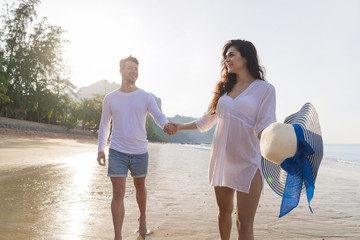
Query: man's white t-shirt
128, 114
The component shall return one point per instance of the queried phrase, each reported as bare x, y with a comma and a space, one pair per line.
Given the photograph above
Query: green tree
71, 113
16, 18
151, 131
98, 104
4, 82
44, 65
38, 78
89, 112
62, 87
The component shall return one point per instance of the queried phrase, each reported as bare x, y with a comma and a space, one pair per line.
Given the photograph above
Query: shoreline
11, 132
11, 126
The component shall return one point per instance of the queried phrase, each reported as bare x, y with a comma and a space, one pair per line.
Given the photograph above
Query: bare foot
142, 227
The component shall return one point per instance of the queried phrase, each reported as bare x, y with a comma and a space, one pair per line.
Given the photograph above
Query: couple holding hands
243, 105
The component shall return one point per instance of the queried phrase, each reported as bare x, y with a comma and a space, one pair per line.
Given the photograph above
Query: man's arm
104, 131
155, 112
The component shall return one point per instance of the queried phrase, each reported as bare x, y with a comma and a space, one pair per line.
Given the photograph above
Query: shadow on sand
147, 237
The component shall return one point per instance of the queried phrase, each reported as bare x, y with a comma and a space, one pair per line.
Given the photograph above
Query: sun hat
291, 155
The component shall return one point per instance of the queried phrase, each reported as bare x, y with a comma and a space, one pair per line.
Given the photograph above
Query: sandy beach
52, 188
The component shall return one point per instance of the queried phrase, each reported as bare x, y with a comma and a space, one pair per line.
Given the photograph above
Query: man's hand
101, 159
171, 128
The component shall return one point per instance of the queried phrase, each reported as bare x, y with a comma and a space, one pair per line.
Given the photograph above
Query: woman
242, 106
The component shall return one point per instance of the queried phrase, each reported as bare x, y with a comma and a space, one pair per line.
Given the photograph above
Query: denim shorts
120, 163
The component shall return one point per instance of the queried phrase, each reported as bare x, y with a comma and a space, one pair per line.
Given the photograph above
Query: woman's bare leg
224, 199
246, 208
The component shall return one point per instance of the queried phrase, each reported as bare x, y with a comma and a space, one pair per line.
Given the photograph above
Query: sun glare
77, 209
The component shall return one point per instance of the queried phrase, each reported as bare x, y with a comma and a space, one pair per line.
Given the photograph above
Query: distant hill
188, 136
101, 87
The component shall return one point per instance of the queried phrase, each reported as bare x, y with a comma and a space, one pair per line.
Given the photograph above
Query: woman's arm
177, 127
187, 126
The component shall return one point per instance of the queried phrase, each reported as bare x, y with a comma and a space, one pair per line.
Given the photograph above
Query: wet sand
53, 189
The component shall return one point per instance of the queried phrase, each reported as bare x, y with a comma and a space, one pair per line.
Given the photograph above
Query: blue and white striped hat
291, 155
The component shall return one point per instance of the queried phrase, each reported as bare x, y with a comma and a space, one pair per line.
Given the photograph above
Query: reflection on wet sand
78, 209
50, 201
67, 199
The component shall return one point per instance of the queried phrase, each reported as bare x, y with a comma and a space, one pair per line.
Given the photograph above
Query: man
127, 108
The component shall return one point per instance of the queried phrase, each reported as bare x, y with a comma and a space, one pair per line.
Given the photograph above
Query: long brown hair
228, 80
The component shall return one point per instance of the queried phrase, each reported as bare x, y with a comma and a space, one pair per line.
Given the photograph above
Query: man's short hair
129, 58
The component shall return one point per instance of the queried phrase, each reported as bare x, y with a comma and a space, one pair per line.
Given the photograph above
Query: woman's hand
171, 128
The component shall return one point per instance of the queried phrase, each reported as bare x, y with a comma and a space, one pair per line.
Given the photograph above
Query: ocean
346, 153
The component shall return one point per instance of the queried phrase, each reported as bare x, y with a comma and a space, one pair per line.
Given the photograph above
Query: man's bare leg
141, 195
117, 205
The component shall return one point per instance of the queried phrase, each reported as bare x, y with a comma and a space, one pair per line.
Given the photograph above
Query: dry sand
52, 188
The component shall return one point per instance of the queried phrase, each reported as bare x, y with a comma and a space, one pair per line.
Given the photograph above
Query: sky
310, 49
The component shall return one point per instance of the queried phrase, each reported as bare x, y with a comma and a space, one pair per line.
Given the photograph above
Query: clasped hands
171, 128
